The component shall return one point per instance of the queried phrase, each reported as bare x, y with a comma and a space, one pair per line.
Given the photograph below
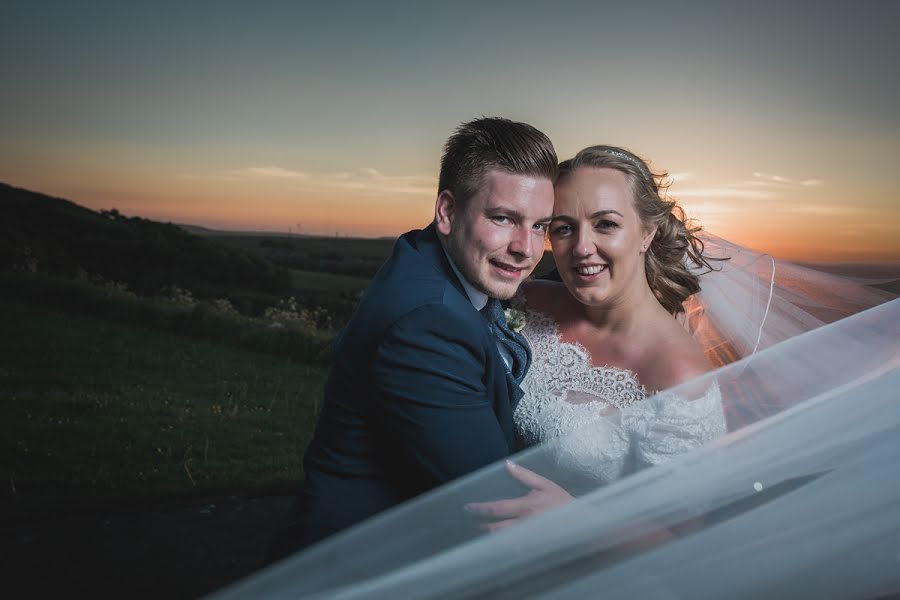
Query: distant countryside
141, 361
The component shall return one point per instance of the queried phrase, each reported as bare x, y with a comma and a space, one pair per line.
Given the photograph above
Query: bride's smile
590, 272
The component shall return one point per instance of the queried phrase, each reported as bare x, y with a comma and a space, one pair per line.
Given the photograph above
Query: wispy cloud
778, 179
221, 176
715, 215
830, 210
371, 181
366, 180
763, 186
676, 177
713, 209
275, 172
724, 192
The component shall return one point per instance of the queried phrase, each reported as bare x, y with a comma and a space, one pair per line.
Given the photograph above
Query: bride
605, 338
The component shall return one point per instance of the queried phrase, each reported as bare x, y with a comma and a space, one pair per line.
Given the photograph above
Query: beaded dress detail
603, 423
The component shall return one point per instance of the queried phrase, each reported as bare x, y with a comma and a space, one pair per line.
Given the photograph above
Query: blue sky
779, 121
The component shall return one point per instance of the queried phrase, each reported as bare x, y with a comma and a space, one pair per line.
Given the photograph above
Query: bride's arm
666, 425
674, 422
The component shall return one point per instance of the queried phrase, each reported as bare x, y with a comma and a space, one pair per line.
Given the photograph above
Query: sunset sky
779, 120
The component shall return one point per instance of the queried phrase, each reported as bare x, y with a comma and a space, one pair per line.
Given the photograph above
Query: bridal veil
800, 498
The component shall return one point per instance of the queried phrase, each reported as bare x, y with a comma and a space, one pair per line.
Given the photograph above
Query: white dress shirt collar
476, 297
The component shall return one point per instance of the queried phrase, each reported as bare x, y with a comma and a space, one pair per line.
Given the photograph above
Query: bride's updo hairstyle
675, 241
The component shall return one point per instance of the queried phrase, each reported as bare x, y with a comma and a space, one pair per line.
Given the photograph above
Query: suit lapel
427, 243
515, 391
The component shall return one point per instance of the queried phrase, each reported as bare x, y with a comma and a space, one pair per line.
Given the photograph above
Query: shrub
178, 296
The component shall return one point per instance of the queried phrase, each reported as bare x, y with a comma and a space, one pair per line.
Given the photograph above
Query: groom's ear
444, 210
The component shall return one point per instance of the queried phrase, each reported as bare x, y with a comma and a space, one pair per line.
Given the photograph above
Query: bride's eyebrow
599, 213
603, 213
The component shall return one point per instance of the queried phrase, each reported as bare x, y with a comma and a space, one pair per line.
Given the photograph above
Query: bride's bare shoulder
674, 358
545, 296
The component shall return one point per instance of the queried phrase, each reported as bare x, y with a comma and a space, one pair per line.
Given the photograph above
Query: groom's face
497, 237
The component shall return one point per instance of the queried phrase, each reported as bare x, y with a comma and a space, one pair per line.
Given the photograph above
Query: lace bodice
603, 423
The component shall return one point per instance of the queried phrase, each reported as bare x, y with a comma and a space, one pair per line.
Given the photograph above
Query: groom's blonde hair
493, 143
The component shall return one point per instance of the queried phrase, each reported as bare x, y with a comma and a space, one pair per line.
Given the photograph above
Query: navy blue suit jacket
417, 396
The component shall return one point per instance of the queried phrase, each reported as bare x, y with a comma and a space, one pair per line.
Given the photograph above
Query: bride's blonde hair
675, 241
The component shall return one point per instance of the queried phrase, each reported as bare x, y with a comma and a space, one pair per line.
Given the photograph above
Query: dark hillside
54, 235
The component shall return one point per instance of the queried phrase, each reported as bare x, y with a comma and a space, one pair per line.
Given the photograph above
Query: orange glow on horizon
259, 208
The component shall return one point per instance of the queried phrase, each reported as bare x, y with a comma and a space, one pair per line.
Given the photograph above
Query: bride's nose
583, 245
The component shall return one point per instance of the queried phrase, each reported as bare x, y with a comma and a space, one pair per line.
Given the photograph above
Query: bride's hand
544, 495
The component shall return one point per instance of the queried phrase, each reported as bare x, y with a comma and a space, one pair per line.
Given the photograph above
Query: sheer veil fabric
800, 498
752, 301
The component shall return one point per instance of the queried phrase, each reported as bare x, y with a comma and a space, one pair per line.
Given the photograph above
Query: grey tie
514, 342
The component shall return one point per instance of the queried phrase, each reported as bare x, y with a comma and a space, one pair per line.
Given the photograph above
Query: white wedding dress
603, 423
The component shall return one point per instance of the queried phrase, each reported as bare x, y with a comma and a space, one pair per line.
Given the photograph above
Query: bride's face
597, 236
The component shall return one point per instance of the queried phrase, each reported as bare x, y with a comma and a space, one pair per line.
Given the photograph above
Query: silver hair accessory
622, 155
636, 162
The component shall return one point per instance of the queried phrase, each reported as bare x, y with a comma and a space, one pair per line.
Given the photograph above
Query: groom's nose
522, 242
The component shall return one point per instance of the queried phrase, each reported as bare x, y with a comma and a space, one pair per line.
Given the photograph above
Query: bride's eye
606, 225
560, 230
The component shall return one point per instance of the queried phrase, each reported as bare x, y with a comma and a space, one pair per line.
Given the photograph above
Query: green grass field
357, 257
317, 246
97, 412
316, 281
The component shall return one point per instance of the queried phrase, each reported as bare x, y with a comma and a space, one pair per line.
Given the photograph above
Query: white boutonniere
515, 319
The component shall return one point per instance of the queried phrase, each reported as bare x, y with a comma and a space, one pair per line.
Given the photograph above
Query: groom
425, 375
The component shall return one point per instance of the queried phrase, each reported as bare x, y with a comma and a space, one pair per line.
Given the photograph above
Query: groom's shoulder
414, 270
414, 278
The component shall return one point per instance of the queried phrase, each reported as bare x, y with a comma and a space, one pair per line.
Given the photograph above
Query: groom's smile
511, 271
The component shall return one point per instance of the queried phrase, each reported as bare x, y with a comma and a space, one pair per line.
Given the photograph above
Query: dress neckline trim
519, 302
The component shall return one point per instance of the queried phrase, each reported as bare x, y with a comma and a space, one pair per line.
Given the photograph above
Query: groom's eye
540, 228
501, 219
